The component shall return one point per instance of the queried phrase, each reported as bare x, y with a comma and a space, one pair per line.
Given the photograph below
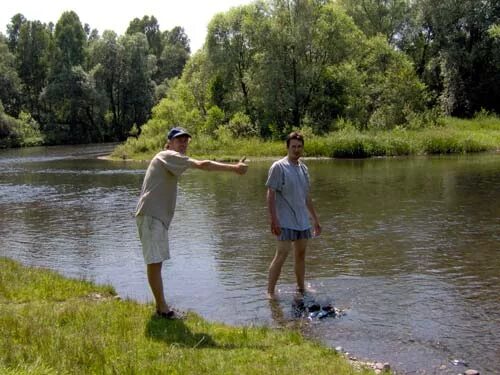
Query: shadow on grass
175, 332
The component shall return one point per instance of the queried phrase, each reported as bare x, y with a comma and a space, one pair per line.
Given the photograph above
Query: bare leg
156, 284
300, 263
282, 251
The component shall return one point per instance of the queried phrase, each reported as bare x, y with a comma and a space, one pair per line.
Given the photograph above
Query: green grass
454, 136
53, 325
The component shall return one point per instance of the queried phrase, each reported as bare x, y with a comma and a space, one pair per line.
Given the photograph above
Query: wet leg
282, 251
299, 247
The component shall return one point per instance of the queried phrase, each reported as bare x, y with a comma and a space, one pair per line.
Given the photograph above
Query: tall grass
454, 136
53, 325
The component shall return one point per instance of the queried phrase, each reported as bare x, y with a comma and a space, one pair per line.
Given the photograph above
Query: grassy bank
454, 136
50, 324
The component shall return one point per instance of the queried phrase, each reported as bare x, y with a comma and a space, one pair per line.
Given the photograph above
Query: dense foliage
67, 84
266, 68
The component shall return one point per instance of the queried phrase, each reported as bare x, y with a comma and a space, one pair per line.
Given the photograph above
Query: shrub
241, 125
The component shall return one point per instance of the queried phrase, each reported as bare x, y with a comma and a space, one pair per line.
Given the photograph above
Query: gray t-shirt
291, 184
159, 189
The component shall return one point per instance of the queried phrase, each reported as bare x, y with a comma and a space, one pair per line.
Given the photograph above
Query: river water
410, 247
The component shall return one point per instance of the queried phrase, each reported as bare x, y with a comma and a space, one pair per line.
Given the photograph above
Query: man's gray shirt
291, 184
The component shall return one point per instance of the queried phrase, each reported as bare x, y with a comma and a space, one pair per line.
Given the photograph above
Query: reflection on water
410, 246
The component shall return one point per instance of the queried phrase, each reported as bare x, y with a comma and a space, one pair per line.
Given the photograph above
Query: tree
106, 56
137, 96
151, 29
32, 55
10, 84
306, 38
231, 54
13, 30
455, 53
71, 96
174, 55
70, 40
386, 17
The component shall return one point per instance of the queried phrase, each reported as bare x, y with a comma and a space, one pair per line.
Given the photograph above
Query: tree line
265, 68
65, 83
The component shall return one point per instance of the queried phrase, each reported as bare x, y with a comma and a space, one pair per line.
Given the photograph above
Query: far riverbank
455, 136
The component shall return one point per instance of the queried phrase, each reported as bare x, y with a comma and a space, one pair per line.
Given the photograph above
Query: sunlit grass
53, 325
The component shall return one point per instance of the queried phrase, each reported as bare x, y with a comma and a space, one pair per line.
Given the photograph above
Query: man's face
179, 144
295, 149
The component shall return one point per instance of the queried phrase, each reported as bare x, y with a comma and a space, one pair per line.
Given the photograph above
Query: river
410, 246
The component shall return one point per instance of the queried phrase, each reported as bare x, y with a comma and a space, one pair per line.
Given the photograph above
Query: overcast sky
192, 15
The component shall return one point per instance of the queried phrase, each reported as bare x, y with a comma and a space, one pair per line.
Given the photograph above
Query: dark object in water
313, 310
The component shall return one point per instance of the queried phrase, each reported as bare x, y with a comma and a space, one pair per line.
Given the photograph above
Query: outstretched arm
210, 165
312, 211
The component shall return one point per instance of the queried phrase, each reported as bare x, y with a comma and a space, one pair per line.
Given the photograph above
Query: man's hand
316, 229
275, 227
241, 167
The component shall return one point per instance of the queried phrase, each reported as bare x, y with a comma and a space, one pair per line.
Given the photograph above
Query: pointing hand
241, 167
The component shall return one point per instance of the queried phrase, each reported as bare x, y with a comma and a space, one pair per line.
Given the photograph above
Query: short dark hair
294, 135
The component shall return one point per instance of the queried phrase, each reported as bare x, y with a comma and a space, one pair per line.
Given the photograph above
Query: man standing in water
289, 207
156, 206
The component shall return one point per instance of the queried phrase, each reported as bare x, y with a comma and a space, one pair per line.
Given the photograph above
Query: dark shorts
293, 235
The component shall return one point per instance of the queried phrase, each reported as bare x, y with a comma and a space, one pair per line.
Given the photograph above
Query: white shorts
154, 239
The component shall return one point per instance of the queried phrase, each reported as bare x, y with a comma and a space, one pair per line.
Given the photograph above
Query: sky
192, 15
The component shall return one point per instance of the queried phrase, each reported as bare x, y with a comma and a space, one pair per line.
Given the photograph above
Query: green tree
148, 26
70, 40
106, 56
289, 63
174, 55
307, 37
10, 84
33, 55
455, 53
231, 53
137, 97
13, 29
74, 106
386, 17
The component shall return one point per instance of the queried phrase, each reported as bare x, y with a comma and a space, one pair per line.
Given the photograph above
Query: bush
20, 132
215, 118
241, 125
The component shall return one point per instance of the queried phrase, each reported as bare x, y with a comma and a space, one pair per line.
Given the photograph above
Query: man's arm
271, 205
209, 165
312, 211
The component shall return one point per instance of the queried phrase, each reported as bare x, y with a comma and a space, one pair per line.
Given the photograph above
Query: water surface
410, 246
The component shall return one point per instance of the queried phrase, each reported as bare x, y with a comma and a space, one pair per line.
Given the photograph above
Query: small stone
339, 349
387, 366
471, 372
353, 358
442, 367
379, 366
459, 362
